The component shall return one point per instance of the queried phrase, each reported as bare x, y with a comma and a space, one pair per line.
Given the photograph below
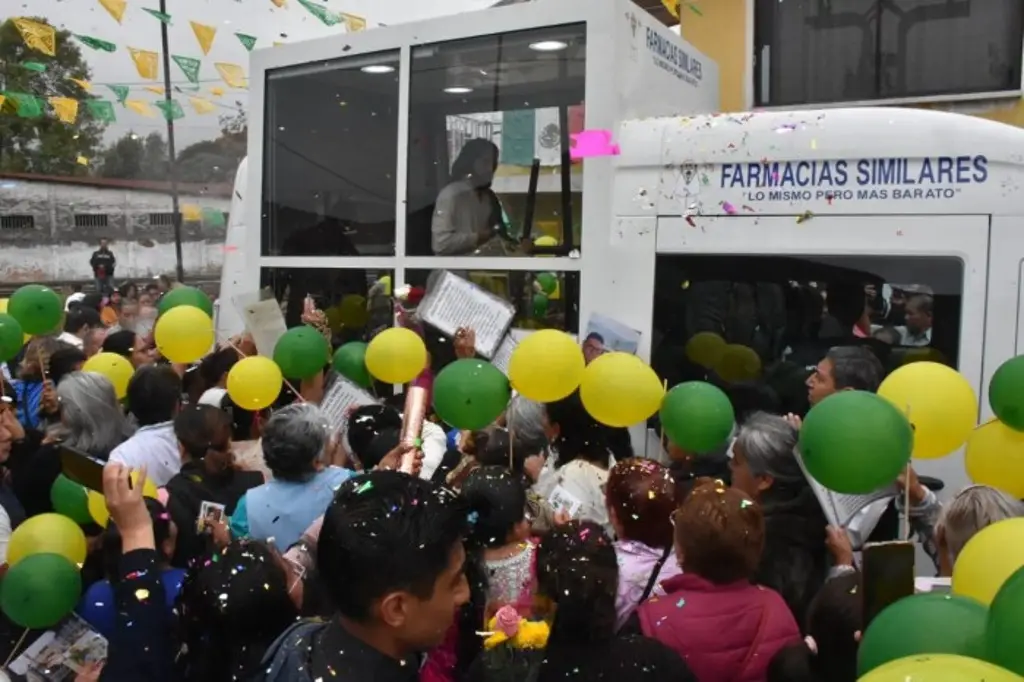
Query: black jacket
102, 258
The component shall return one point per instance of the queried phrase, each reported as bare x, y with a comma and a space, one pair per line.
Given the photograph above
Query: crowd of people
539, 548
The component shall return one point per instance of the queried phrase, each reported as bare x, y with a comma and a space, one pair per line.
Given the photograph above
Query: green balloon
301, 352
470, 394
1006, 393
11, 337
855, 442
37, 309
924, 624
40, 590
547, 281
697, 416
1005, 633
186, 296
540, 305
70, 499
350, 362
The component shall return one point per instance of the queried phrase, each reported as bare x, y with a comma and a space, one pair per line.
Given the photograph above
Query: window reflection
330, 157
543, 300
356, 302
489, 119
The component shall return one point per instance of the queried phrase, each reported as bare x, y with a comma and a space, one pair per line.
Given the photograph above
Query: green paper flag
101, 110
321, 13
213, 217
190, 88
189, 66
171, 110
165, 18
34, 66
120, 91
28, 105
96, 43
248, 41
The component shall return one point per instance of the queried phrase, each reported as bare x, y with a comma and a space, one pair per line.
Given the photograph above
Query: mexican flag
533, 133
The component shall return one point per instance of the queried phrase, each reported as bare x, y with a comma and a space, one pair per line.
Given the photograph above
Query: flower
507, 621
508, 627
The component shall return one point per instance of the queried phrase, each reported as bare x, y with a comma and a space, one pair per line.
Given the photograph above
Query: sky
259, 18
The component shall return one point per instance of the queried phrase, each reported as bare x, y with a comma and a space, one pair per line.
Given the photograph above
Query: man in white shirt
78, 323
918, 329
154, 397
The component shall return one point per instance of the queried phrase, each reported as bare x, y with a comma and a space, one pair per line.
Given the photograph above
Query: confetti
142, 594
364, 487
804, 217
746, 503
729, 208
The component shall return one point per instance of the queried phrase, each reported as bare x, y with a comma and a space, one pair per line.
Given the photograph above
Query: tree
216, 160
132, 157
44, 144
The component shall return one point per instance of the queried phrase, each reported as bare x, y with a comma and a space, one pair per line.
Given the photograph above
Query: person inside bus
917, 331
467, 214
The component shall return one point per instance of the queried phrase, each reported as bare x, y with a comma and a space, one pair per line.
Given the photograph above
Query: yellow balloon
938, 401
620, 389
3, 309
988, 559
184, 334
705, 349
546, 366
396, 355
385, 281
254, 382
940, 668
995, 457
738, 363
47, 534
114, 367
545, 240
97, 508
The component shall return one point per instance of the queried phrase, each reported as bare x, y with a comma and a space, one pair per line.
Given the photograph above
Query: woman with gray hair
973, 509
299, 448
794, 562
92, 421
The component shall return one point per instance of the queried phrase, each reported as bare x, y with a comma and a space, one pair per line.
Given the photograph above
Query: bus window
481, 112
330, 158
783, 313
543, 300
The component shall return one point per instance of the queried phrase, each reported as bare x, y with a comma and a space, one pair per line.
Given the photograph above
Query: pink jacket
726, 633
636, 563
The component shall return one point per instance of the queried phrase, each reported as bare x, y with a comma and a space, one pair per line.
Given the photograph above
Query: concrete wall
55, 249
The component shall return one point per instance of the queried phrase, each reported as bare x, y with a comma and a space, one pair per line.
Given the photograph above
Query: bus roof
857, 160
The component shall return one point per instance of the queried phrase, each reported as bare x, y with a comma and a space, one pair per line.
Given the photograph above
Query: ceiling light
458, 90
377, 68
549, 46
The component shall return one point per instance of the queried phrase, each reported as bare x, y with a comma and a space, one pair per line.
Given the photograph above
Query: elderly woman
973, 509
298, 448
795, 558
91, 422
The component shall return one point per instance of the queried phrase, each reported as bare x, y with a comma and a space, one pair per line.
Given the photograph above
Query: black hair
497, 502
234, 603
92, 301
855, 367
154, 394
470, 152
121, 342
80, 317
749, 397
217, 364
834, 617
580, 436
384, 442
498, 449
112, 541
202, 428
64, 361
585, 615
365, 424
594, 335
387, 531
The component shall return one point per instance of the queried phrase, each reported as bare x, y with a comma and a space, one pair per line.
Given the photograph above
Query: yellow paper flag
278, 43
155, 89
82, 161
38, 36
672, 6
217, 91
280, 3
202, 106
191, 213
3, 98
145, 62
205, 35
115, 7
140, 107
232, 74
82, 83
65, 108
353, 23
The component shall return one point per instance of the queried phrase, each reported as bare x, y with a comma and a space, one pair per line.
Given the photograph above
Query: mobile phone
888, 575
81, 468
